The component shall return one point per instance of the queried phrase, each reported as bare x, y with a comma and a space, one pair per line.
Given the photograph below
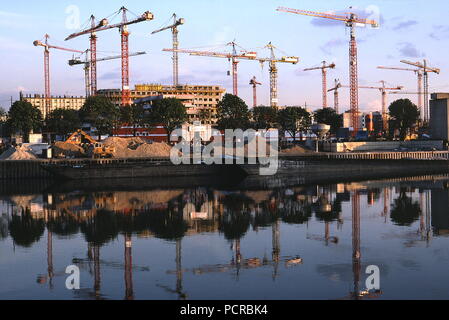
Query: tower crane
384, 91
123, 28
93, 48
47, 47
90, 90
335, 89
424, 67
174, 28
351, 20
419, 73
272, 60
323, 69
233, 56
254, 83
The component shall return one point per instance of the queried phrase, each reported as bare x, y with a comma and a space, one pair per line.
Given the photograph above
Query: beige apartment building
56, 102
198, 97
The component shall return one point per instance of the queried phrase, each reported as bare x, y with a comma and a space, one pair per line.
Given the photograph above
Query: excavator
93, 148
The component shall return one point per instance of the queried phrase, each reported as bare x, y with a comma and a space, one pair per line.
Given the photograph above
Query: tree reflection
101, 228
405, 211
167, 225
63, 225
25, 230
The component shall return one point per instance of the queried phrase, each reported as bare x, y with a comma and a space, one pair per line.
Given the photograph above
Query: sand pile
137, 148
296, 150
67, 150
19, 153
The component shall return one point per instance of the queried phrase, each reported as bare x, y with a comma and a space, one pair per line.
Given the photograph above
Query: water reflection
321, 215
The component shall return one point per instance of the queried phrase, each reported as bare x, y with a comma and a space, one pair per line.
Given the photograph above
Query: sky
410, 29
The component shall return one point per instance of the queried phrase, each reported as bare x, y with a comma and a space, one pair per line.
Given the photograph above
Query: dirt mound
19, 153
67, 150
137, 148
296, 150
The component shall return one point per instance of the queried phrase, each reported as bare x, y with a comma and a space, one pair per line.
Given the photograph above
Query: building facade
347, 120
199, 100
439, 116
56, 102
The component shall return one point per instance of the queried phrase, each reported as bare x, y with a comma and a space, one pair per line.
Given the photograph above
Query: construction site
175, 209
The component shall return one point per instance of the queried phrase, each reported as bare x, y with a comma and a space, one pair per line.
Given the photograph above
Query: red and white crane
123, 27
351, 20
174, 28
233, 56
254, 83
336, 100
424, 67
47, 47
323, 69
88, 65
273, 60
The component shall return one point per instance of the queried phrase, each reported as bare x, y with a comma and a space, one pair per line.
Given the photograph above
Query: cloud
370, 12
409, 50
439, 32
328, 46
405, 24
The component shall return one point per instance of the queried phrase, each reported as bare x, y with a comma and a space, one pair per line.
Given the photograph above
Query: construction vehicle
93, 148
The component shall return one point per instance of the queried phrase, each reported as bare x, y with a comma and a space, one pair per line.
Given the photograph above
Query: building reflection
172, 215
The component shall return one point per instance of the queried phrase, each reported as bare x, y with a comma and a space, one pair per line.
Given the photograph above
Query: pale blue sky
411, 29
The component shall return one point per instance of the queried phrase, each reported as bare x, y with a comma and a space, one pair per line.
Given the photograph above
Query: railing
415, 155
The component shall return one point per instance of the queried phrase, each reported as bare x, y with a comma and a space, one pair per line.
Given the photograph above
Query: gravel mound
296, 150
137, 148
18, 153
67, 150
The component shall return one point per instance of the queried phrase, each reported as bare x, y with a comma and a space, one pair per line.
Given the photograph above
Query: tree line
232, 113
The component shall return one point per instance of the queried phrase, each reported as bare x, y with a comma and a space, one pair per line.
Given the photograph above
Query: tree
170, 113
101, 113
404, 115
24, 118
330, 117
133, 115
294, 120
205, 115
63, 121
264, 117
232, 113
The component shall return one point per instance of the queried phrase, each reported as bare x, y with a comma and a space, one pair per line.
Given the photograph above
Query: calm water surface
227, 242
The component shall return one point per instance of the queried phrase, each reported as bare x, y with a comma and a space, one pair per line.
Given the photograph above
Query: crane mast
351, 20
124, 34
175, 33
254, 83
234, 57
47, 48
425, 79
274, 72
420, 75
323, 69
336, 100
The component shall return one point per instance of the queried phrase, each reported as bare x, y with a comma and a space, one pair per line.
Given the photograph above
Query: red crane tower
123, 27
47, 47
93, 49
335, 89
234, 57
254, 83
351, 20
323, 69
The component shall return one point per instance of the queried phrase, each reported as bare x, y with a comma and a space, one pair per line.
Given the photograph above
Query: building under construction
199, 97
